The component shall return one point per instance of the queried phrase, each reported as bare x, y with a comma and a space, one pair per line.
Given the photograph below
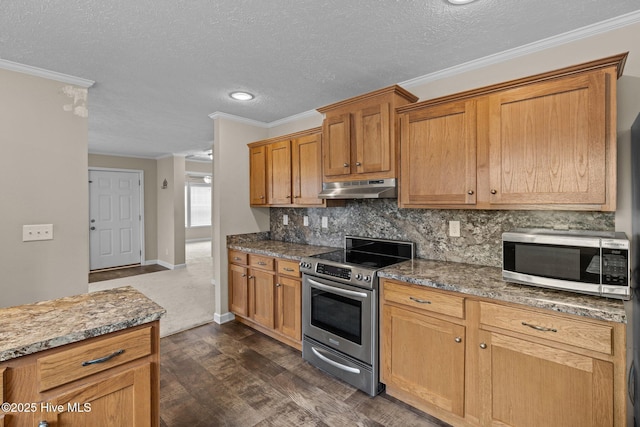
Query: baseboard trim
223, 318
170, 266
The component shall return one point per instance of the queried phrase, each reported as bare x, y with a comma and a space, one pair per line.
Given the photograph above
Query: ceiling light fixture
241, 96
460, 1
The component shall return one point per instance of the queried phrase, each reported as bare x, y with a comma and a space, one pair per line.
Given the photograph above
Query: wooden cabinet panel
79, 362
553, 328
288, 268
261, 297
238, 257
238, 290
261, 261
120, 400
438, 147
258, 176
336, 145
528, 385
424, 357
307, 170
548, 142
424, 299
279, 173
373, 139
289, 307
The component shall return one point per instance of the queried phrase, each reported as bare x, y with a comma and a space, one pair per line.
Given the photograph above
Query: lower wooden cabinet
476, 362
110, 380
266, 294
425, 357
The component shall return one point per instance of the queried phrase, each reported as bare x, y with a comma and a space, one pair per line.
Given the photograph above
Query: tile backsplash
480, 231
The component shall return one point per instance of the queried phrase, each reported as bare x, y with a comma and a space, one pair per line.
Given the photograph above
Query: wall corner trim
223, 318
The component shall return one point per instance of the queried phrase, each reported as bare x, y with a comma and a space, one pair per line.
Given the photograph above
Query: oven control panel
333, 271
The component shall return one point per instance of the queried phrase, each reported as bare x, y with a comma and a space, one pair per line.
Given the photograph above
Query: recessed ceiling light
460, 1
241, 96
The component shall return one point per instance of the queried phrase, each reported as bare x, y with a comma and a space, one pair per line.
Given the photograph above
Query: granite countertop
486, 282
30, 328
278, 249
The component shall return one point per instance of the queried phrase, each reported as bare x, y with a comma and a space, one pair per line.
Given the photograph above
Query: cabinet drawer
581, 334
289, 268
70, 365
424, 299
262, 262
237, 257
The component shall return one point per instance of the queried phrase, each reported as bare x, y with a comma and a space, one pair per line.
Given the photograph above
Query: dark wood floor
116, 273
230, 375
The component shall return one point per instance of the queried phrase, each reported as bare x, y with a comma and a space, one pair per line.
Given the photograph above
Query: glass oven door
339, 316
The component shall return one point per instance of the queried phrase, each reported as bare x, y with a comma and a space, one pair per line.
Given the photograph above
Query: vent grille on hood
370, 189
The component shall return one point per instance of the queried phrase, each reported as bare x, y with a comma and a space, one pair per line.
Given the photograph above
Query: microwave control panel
615, 267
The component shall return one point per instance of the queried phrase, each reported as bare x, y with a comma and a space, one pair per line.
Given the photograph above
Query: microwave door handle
339, 291
334, 363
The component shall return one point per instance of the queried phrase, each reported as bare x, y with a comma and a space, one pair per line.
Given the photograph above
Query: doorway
115, 218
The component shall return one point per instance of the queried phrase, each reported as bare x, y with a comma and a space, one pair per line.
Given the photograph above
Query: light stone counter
278, 249
31, 328
486, 282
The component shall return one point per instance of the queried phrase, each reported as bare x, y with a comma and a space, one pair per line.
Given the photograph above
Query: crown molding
47, 74
299, 116
239, 119
540, 45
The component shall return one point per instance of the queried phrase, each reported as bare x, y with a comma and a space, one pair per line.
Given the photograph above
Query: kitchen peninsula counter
279, 249
486, 282
31, 328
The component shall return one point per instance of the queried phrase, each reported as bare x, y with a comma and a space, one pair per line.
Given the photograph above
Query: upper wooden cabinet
359, 136
544, 142
286, 171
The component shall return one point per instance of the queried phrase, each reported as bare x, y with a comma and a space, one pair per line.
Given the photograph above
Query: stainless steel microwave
589, 262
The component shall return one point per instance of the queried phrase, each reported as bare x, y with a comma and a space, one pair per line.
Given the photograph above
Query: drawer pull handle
420, 301
103, 359
539, 328
262, 263
288, 269
237, 258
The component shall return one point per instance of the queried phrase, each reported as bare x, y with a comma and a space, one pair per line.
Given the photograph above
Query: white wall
44, 180
171, 232
231, 211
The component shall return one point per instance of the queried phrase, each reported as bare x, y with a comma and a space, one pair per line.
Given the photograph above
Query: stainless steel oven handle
335, 290
334, 363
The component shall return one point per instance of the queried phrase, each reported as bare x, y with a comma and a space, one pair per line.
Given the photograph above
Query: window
197, 202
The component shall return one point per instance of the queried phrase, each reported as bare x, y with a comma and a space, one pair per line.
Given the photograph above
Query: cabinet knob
458, 340
358, 164
288, 197
483, 346
470, 192
493, 191
296, 197
250, 277
262, 197
346, 165
43, 424
244, 275
278, 285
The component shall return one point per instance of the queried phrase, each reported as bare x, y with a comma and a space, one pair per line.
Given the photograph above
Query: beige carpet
186, 293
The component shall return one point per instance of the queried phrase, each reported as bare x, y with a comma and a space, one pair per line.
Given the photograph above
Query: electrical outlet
37, 232
325, 222
285, 219
454, 228
305, 221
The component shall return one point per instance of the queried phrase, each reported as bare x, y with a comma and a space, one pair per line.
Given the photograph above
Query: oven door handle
334, 363
340, 291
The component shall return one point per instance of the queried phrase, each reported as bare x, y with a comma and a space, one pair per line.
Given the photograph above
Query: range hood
369, 189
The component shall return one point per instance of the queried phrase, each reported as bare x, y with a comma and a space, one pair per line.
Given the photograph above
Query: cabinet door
548, 142
336, 145
261, 297
424, 356
120, 400
289, 307
279, 173
438, 152
373, 139
238, 290
307, 170
258, 176
524, 384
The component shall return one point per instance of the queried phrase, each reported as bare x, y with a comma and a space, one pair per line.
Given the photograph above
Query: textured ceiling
162, 66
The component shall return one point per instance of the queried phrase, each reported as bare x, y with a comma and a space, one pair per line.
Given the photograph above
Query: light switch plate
285, 219
454, 228
37, 232
325, 222
305, 221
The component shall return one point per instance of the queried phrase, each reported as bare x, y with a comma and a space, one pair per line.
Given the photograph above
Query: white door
114, 218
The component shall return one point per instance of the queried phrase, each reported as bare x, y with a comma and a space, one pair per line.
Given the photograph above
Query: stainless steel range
340, 308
